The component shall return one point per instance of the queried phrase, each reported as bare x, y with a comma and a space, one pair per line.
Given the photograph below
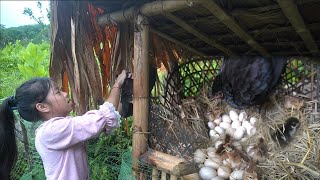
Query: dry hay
300, 159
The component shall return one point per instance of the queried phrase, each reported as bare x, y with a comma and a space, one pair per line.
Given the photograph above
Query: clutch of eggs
234, 124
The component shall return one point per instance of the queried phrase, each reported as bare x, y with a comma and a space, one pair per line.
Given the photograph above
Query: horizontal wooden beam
290, 9
200, 35
148, 9
170, 164
229, 21
169, 38
268, 8
235, 46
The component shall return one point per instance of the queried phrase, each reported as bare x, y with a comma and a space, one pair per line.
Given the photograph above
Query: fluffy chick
259, 151
285, 133
250, 172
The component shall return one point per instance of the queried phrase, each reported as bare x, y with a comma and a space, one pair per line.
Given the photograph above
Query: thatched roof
179, 29
252, 27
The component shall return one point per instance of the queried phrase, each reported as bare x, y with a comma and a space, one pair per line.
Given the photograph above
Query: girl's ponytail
8, 146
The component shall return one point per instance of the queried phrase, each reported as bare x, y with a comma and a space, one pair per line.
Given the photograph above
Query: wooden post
140, 90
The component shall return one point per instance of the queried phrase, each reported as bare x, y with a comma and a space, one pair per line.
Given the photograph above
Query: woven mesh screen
168, 132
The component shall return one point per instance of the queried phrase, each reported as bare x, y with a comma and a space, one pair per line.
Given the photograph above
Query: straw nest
300, 159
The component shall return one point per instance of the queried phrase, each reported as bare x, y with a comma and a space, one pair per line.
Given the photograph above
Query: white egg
215, 137
219, 130
217, 121
236, 175
230, 131
253, 120
235, 124
251, 130
250, 151
224, 172
226, 162
225, 125
217, 144
199, 156
211, 125
212, 133
210, 149
213, 154
226, 118
215, 164
243, 116
207, 173
246, 124
217, 178
233, 115
238, 135
244, 139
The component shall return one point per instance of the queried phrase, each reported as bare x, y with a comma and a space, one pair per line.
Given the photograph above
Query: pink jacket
60, 141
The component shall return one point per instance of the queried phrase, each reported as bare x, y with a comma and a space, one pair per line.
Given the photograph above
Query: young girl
60, 139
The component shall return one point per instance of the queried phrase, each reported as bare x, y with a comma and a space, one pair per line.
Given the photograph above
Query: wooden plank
226, 19
148, 9
200, 35
194, 176
163, 175
290, 9
170, 164
140, 90
172, 177
169, 38
154, 175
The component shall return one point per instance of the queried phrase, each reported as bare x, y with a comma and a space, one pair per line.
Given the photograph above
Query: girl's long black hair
27, 96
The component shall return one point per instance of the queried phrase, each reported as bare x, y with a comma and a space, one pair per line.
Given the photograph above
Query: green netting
126, 171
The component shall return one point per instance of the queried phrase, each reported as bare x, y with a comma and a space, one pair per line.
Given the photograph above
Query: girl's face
58, 102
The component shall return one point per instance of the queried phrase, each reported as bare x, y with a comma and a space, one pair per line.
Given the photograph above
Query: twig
315, 173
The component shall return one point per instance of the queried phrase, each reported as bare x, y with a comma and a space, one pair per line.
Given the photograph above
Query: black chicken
127, 92
247, 81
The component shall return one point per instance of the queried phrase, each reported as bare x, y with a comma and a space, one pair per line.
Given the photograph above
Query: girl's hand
120, 79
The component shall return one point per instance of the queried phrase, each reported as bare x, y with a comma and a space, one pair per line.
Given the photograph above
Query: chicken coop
187, 41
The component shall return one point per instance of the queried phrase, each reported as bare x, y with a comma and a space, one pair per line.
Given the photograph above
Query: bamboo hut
92, 41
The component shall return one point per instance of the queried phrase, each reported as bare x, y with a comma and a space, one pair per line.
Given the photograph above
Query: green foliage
34, 60
18, 64
37, 173
10, 76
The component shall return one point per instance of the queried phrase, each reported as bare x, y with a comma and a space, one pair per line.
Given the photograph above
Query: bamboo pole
290, 9
226, 19
148, 9
140, 90
197, 33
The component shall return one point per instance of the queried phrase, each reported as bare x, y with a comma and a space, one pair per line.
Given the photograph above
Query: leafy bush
19, 63
34, 60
